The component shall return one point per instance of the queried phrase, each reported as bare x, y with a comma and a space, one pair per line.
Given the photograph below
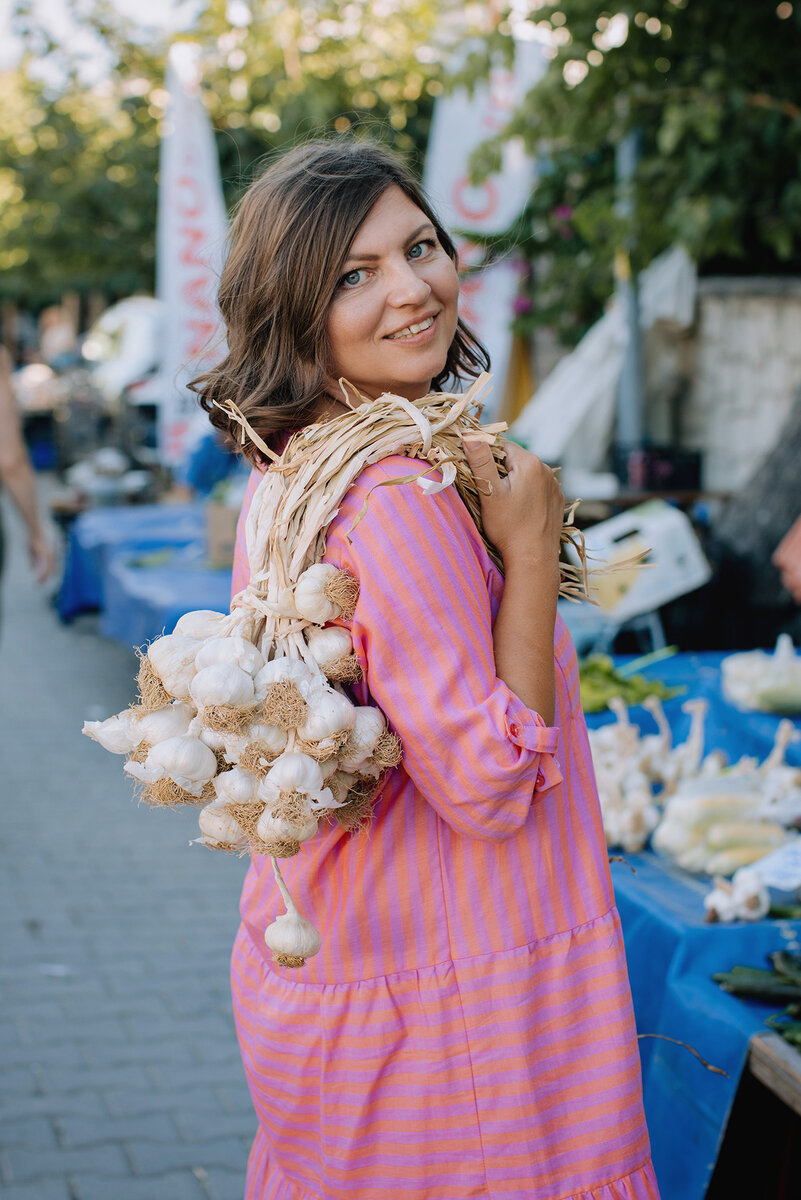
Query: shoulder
389, 488
385, 505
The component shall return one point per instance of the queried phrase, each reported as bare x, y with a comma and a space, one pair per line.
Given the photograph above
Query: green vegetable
783, 982
601, 680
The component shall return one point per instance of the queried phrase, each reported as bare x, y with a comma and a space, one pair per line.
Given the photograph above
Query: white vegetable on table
743, 898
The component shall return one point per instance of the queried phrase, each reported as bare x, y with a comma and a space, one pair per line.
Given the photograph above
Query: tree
715, 93
78, 161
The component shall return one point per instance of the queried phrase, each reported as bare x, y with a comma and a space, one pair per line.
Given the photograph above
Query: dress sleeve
423, 633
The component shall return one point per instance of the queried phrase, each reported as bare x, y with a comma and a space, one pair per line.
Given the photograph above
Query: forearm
20, 482
523, 634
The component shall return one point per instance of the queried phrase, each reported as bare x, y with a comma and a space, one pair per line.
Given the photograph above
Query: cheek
349, 322
447, 288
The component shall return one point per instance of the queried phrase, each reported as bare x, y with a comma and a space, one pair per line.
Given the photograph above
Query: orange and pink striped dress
466, 1029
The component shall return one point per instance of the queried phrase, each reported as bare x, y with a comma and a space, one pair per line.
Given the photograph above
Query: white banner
190, 237
461, 122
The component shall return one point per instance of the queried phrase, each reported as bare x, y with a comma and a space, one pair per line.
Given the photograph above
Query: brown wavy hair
287, 247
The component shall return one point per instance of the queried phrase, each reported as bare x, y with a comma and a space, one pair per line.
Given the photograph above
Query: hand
523, 513
41, 556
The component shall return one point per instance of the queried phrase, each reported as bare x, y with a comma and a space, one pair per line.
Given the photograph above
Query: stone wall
727, 388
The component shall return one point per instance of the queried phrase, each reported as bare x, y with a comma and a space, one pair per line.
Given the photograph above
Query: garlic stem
289, 903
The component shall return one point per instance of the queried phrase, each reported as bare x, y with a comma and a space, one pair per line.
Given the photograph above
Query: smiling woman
461, 1025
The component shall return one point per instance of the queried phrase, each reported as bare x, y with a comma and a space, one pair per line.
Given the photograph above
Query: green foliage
715, 92
79, 163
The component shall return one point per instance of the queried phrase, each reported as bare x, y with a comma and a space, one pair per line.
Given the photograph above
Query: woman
466, 1030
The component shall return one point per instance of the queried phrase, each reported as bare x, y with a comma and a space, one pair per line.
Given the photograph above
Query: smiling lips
411, 330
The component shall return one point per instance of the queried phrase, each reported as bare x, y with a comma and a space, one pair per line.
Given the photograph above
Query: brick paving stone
28, 1131
131, 1102
178, 1185
26, 1165
194, 1126
155, 1158
85, 1131
58, 1079
88, 1103
113, 1052
116, 1016
51, 1189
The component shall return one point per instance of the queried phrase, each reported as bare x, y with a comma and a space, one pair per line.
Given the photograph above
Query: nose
406, 287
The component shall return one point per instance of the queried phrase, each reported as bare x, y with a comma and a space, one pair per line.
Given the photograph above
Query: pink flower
562, 212
520, 305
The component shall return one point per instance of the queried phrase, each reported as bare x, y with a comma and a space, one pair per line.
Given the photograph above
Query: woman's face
393, 315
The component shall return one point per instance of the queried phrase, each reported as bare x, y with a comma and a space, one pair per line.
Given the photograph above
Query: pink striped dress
466, 1029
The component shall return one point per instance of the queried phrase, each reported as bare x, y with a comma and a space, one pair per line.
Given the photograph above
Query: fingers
482, 464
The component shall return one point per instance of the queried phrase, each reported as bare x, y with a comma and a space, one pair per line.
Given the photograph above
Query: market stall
97, 534
673, 951
144, 594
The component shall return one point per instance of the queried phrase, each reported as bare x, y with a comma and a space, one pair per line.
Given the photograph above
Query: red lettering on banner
192, 239
198, 333
475, 202
194, 293
189, 197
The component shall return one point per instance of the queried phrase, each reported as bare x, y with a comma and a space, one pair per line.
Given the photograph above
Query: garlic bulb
311, 601
173, 659
221, 650
329, 719
297, 825
332, 650
744, 898
291, 938
171, 721
293, 773
186, 760
201, 624
288, 670
219, 827
236, 786
224, 683
211, 737
328, 644
368, 727
269, 739
117, 734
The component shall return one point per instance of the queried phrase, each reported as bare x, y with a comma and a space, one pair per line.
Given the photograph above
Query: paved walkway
120, 1076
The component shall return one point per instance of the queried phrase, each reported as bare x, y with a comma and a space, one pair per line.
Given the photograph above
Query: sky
59, 18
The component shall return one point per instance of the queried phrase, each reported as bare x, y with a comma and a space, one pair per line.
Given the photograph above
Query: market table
672, 954
98, 533
146, 593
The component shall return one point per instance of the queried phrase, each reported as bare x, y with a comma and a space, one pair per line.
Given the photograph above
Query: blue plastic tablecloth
101, 531
142, 601
672, 954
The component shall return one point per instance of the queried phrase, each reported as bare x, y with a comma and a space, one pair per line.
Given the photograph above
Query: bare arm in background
17, 475
522, 516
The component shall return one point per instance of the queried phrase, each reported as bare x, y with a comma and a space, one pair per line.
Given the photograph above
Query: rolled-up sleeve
423, 633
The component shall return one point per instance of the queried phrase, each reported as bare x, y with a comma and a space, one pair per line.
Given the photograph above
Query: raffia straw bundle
245, 713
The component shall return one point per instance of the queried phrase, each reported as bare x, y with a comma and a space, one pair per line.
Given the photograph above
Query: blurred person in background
17, 477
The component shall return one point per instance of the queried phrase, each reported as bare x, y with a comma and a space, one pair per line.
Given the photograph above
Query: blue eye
352, 278
419, 248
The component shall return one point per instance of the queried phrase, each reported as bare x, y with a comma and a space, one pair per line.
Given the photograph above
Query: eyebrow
372, 257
